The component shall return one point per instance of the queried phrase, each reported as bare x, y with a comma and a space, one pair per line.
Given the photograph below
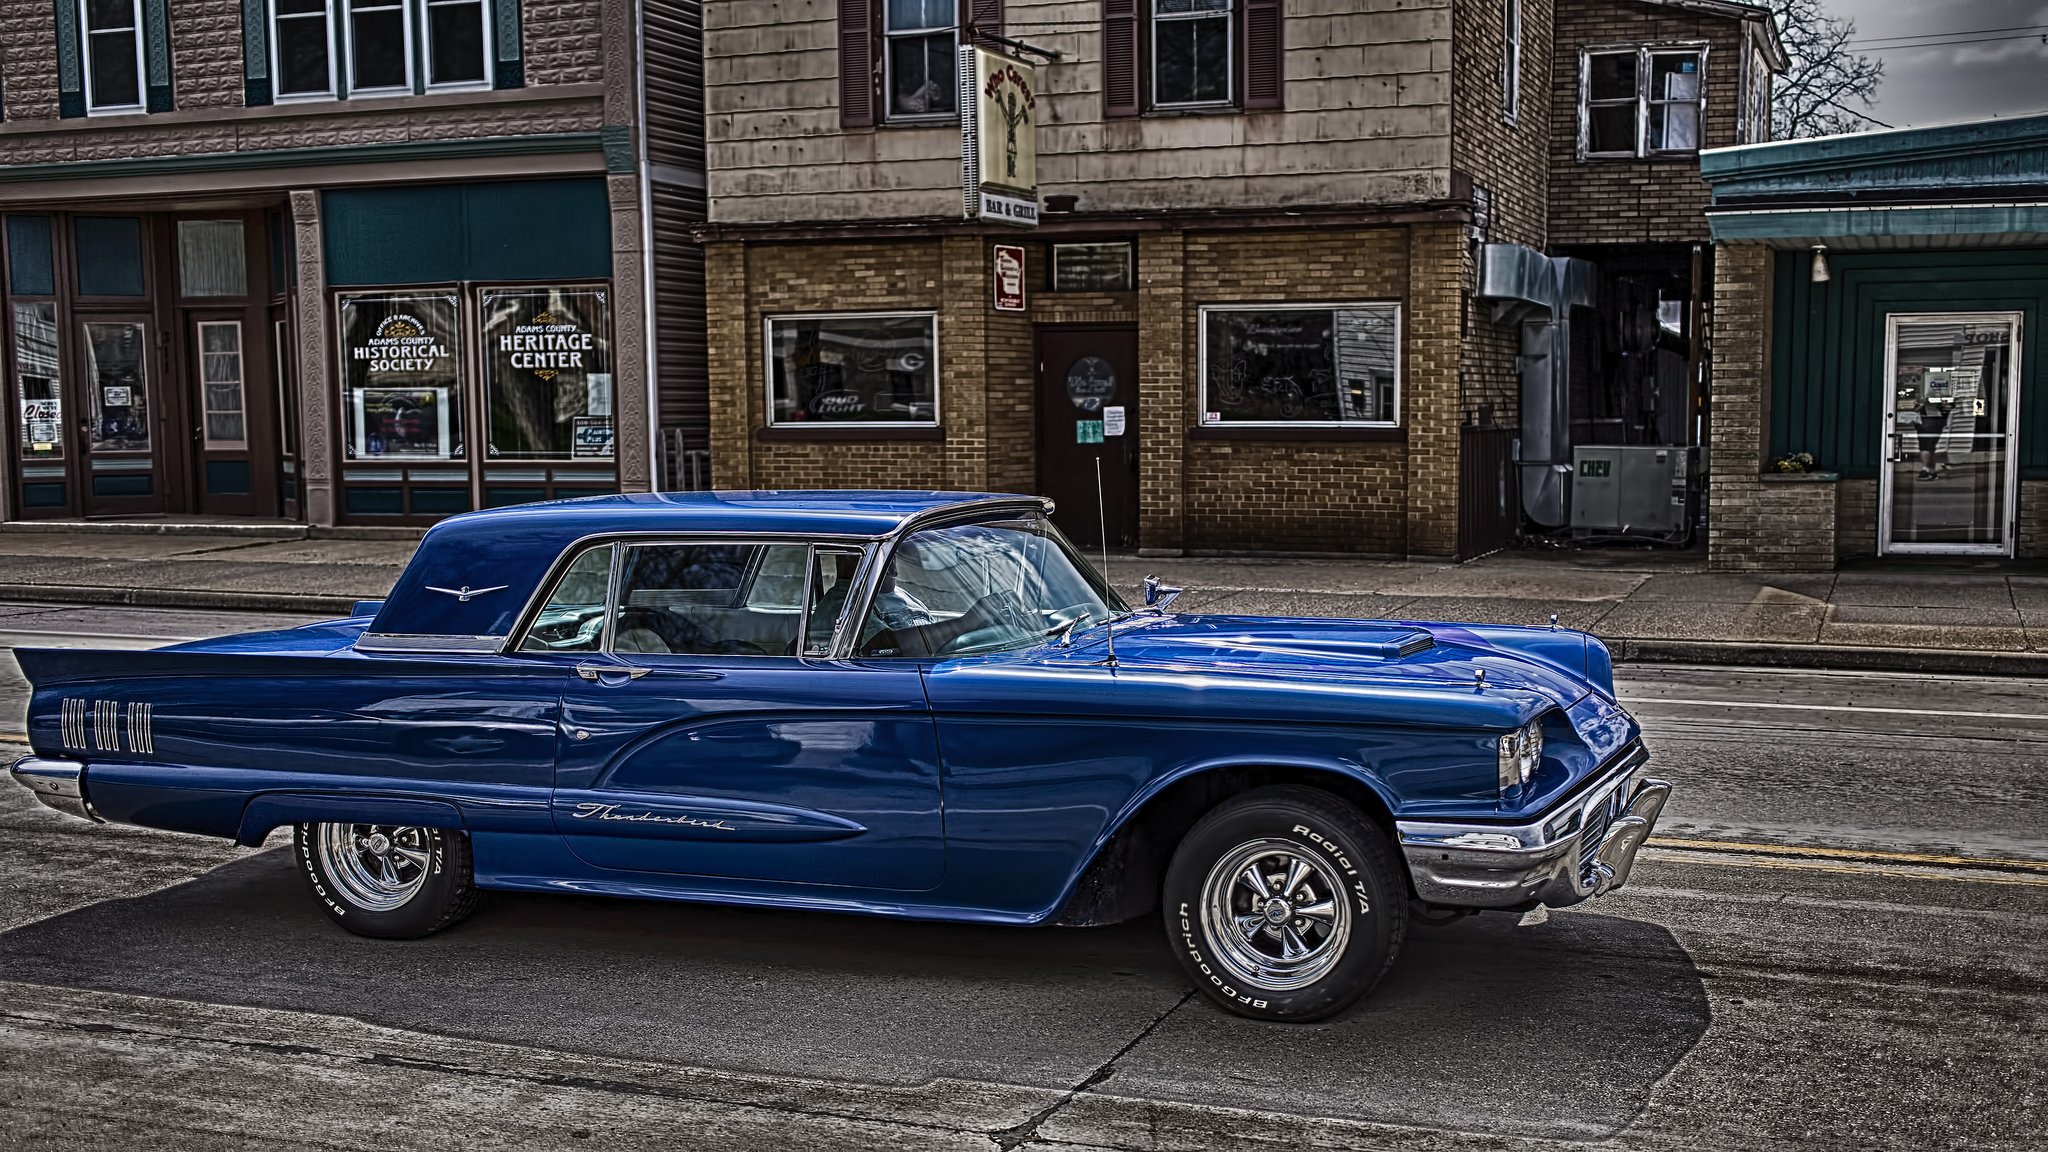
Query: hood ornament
465, 593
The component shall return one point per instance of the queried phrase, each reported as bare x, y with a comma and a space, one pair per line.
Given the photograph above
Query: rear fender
271, 811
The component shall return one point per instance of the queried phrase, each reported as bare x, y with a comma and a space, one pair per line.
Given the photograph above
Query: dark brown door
120, 415
1088, 426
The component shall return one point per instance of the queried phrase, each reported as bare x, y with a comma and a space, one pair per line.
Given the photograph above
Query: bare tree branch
1828, 88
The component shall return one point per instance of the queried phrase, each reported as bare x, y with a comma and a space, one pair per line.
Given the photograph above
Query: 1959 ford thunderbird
899, 704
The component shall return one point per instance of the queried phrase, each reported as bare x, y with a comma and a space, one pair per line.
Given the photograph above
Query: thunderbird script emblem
466, 593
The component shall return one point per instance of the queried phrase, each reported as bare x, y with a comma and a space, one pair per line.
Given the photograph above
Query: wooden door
1088, 426
121, 420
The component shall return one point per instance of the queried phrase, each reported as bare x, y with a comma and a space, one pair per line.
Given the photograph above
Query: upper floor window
1641, 101
1190, 55
1511, 60
920, 56
384, 46
113, 55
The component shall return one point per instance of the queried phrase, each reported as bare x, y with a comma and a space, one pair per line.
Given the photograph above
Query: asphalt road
1833, 943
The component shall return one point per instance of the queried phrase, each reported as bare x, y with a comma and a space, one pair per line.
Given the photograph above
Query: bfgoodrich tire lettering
386, 881
1285, 903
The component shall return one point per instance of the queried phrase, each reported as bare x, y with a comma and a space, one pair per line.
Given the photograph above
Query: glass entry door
119, 416
1950, 472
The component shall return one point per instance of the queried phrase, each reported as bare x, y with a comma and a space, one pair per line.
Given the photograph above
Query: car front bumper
59, 784
1582, 848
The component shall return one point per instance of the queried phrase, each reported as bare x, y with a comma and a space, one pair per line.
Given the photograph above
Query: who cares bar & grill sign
998, 137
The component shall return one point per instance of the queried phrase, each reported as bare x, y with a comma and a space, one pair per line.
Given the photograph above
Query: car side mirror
1158, 595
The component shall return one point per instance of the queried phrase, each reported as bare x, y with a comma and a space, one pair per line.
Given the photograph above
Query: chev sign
998, 137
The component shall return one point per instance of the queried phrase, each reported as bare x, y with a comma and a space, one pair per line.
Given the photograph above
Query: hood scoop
1374, 644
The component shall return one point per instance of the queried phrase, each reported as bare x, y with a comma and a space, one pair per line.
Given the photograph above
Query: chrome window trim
412, 642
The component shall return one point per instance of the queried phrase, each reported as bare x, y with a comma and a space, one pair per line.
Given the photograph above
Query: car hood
1408, 656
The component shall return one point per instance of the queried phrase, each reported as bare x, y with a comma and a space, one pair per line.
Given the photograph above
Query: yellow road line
1847, 868
1750, 848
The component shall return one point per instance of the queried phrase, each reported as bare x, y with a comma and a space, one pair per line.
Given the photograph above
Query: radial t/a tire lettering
387, 881
1285, 903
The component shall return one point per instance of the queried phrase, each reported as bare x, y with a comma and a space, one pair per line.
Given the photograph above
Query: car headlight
1520, 753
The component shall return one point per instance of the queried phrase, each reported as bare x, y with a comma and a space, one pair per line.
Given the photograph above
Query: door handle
599, 671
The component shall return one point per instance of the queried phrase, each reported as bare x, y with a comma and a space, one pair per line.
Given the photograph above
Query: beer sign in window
401, 376
548, 372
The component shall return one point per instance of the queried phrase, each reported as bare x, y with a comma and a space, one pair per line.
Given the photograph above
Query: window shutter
856, 63
986, 16
156, 56
70, 62
256, 86
509, 69
1122, 46
1263, 67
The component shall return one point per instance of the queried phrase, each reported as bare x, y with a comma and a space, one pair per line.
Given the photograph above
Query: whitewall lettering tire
387, 881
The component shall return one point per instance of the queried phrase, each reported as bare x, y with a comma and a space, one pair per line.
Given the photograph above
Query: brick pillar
730, 350
966, 301
319, 392
1165, 382
1439, 269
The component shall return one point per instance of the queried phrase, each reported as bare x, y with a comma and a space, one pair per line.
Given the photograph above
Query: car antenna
1102, 525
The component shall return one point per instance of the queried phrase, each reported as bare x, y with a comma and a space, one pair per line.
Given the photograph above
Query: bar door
120, 416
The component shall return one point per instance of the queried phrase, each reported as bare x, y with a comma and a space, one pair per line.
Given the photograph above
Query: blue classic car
900, 704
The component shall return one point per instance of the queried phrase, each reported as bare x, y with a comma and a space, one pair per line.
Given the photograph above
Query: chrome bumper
59, 784
1583, 848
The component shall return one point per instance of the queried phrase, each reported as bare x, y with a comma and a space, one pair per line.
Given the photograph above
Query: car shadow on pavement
1560, 1029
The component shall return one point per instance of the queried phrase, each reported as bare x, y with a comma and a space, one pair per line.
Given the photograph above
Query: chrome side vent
72, 723
106, 725
141, 731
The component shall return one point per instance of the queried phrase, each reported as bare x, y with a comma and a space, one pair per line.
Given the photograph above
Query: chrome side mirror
1158, 595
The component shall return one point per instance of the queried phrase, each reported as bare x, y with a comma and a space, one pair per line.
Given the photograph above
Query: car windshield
984, 587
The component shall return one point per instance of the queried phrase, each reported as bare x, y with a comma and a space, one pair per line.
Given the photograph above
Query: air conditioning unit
1631, 491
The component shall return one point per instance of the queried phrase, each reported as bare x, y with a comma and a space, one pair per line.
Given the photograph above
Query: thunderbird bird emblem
465, 593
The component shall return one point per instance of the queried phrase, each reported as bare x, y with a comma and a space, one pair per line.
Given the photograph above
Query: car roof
473, 573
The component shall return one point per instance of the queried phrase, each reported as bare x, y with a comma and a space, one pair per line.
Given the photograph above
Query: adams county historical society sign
998, 137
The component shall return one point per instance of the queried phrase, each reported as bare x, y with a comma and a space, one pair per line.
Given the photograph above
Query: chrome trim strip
415, 643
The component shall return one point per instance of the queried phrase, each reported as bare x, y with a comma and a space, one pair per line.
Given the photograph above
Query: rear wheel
1285, 904
388, 881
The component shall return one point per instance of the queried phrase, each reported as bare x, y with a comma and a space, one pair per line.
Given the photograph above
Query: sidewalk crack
1010, 1138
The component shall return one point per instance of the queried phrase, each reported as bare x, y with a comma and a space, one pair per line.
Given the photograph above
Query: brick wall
1510, 160
563, 41
1753, 522
206, 53
1635, 201
28, 59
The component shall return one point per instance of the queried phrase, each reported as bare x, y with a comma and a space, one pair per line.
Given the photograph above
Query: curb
1829, 657
238, 531
330, 607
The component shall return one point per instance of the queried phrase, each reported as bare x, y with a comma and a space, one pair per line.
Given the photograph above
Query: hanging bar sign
998, 137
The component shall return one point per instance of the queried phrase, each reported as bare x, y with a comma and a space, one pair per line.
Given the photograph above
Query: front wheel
1285, 903
386, 881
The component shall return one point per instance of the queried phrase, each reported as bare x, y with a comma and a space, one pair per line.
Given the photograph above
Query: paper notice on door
1113, 421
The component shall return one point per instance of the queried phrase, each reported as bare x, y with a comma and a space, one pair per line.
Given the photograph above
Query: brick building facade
330, 265
1254, 306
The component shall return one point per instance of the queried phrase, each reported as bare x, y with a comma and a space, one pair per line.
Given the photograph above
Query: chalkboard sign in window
854, 368
1093, 267
1302, 364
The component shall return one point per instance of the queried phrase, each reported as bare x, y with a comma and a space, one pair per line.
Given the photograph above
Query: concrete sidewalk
1648, 606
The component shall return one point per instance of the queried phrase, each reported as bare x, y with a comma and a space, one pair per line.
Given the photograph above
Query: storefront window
548, 372
115, 360
851, 369
35, 379
1294, 364
401, 376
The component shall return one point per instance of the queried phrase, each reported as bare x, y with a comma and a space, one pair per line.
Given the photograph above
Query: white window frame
206, 412
1229, 16
1511, 60
889, 113
85, 38
348, 39
1645, 55
490, 47
277, 93
768, 366
1400, 359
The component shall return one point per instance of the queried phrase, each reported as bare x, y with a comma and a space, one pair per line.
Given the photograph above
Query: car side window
832, 574
981, 587
710, 599
573, 618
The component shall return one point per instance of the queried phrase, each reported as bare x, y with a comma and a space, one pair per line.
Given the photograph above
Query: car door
710, 732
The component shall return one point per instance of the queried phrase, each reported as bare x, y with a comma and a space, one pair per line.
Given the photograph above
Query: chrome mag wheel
378, 867
1276, 915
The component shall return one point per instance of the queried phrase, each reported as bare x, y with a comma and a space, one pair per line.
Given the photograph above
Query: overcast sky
1961, 82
